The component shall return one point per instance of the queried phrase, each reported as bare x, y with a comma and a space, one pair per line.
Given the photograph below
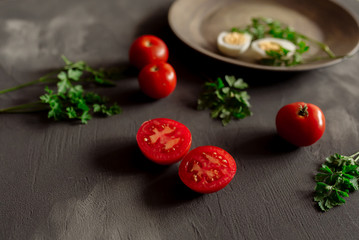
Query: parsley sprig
69, 100
226, 99
266, 27
337, 177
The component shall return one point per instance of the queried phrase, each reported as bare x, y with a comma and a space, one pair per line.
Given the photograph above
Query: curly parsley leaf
336, 178
70, 101
225, 99
73, 102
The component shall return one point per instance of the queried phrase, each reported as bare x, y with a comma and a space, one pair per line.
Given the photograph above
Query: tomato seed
195, 177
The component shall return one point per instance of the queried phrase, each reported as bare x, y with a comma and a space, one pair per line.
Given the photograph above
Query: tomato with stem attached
301, 124
157, 80
207, 169
164, 141
147, 49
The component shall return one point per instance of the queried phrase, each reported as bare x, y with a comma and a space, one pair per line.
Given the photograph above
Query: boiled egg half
233, 44
261, 46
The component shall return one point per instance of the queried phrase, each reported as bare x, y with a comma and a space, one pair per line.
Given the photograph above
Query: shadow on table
264, 144
168, 191
164, 186
124, 158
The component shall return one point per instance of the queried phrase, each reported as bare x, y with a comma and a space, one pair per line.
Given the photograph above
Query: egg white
282, 42
233, 50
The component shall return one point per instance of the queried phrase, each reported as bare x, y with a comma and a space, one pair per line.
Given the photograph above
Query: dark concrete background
61, 180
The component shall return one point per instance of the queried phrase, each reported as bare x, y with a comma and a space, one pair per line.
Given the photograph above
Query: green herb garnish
226, 99
69, 100
337, 177
267, 27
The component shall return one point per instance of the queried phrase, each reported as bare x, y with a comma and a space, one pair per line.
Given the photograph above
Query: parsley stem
323, 46
42, 79
323, 58
357, 156
24, 108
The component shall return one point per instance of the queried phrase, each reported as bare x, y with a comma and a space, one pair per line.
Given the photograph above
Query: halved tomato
207, 169
164, 141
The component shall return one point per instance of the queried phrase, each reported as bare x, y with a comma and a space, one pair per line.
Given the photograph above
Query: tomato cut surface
164, 141
207, 169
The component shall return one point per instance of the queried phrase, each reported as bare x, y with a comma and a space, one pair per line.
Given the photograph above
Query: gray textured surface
69, 181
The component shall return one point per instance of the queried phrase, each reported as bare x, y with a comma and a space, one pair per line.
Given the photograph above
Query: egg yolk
269, 46
234, 38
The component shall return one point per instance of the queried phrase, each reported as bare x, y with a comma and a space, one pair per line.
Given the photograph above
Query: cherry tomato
301, 124
164, 141
157, 80
147, 49
207, 169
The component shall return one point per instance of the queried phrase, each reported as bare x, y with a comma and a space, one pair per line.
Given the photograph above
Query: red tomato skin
157, 80
155, 154
297, 129
188, 175
147, 49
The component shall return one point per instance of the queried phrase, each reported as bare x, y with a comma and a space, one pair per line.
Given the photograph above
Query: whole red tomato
301, 124
147, 49
157, 80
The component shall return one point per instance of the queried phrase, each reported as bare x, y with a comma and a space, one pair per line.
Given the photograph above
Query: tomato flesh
164, 141
207, 169
299, 127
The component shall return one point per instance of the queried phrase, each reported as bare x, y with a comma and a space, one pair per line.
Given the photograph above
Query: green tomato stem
303, 110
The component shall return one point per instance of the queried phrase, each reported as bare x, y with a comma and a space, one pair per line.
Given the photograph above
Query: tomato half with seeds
164, 141
207, 169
